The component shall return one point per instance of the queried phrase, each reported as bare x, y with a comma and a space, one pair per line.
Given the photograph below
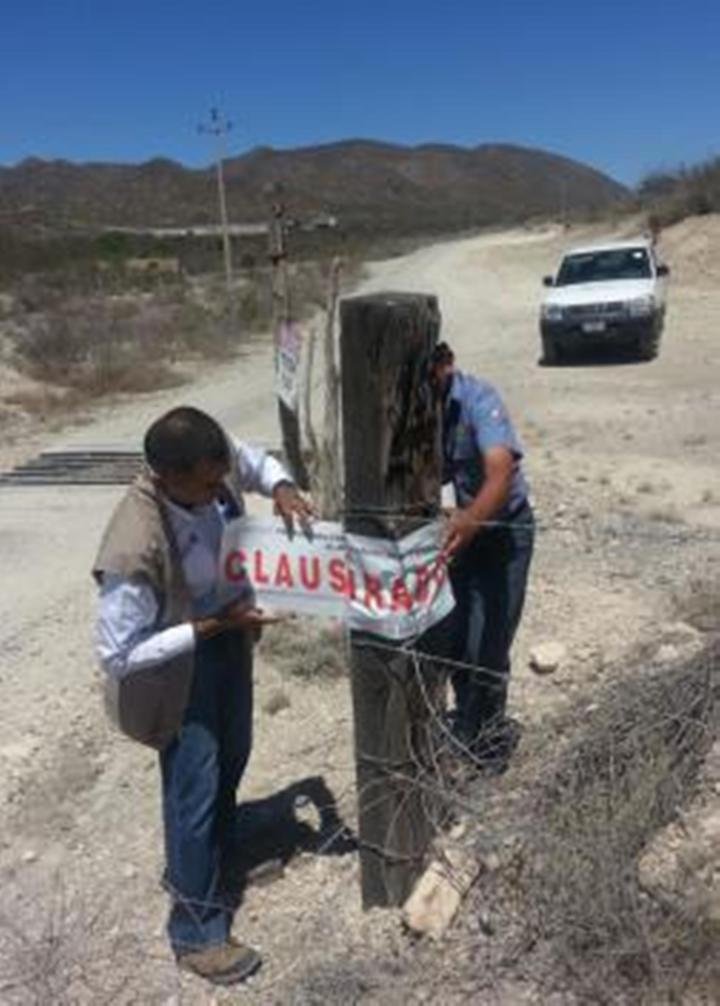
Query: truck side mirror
663, 270
548, 281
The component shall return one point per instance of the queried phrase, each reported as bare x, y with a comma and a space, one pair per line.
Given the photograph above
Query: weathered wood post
392, 484
282, 316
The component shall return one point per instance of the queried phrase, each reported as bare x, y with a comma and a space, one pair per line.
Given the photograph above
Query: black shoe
494, 745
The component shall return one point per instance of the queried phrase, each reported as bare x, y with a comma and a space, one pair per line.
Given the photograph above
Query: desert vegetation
78, 334
671, 196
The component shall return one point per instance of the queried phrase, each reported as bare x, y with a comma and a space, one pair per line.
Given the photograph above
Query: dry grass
307, 648
95, 343
66, 949
611, 792
671, 196
700, 606
559, 908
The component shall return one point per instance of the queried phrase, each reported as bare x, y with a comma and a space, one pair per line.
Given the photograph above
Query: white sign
287, 363
394, 589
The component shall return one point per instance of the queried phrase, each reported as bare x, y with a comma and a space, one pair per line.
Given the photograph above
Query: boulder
437, 895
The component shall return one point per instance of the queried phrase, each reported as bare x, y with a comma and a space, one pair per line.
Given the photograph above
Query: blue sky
626, 86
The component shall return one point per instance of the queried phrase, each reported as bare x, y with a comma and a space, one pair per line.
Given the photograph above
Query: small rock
129, 872
547, 657
29, 856
492, 862
458, 830
667, 654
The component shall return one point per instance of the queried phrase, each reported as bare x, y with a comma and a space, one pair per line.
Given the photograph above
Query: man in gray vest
177, 654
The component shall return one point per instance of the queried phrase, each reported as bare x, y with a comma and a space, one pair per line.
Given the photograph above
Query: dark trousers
201, 771
489, 579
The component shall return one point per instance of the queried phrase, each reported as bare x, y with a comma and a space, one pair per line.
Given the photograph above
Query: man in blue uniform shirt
489, 543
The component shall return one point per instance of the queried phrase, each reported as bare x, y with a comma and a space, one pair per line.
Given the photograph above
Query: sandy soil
622, 458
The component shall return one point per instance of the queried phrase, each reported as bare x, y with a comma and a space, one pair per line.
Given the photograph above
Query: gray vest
138, 544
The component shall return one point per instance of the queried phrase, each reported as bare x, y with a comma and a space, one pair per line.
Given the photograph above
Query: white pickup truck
609, 294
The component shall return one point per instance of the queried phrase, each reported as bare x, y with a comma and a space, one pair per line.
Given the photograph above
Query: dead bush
671, 196
99, 345
622, 779
64, 948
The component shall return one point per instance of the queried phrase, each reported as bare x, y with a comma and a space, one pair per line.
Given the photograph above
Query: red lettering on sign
310, 582
440, 576
373, 592
235, 566
421, 584
283, 575
260, 574
339, 579
400, 595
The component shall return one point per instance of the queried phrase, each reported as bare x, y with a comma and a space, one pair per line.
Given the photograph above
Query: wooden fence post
282, 314
392, 484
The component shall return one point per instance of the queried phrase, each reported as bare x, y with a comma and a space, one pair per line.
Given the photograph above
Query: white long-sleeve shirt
126, 638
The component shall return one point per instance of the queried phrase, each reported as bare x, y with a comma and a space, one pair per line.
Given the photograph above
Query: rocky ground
622, 458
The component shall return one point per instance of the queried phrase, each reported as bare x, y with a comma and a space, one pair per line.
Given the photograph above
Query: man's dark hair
183, 437
442, 354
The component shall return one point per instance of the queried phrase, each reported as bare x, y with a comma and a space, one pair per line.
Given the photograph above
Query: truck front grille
613, 307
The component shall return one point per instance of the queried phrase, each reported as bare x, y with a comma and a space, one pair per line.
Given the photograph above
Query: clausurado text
392, 588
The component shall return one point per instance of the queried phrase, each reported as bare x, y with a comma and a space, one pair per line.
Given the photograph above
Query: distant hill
363, 183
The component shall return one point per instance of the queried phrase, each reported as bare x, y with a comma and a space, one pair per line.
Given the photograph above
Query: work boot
223, 963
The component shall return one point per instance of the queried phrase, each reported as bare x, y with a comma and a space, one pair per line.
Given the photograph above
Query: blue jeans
489, 579
201, 770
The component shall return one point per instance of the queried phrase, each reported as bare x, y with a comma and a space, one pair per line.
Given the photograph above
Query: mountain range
363, 183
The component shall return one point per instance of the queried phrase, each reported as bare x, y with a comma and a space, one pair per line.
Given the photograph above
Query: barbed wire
667, 527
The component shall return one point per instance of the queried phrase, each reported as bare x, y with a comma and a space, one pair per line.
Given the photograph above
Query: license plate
592, 327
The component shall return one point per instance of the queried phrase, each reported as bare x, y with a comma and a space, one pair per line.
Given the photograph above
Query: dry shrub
671, 196
97, 345
307, 648
618, 782
65, 948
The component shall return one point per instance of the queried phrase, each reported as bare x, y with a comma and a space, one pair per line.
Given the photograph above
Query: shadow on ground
273, 830
597, 356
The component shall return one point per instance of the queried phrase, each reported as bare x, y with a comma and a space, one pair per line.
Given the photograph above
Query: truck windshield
594, 267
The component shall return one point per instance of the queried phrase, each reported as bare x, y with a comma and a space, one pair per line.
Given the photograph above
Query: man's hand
464, 524
460, 530
291, 505
238, 617
248, 616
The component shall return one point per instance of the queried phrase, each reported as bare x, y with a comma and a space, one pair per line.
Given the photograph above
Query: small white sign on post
394, 589
287, 363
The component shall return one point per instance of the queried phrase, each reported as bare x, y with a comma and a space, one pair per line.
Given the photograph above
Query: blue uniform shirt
475, 419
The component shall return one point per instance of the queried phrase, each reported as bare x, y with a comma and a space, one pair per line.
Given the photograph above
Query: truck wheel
647, 347
551, 353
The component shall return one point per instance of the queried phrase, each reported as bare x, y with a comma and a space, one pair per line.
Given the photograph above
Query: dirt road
622, 458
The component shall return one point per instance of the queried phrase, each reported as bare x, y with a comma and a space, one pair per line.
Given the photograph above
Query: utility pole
564, 203
218, 127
